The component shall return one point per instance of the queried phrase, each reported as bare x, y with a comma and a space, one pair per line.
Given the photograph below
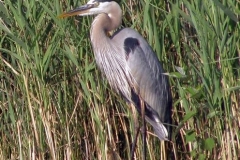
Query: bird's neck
105, 23
101, 26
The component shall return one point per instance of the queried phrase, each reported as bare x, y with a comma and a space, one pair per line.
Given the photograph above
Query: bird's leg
136, 132
143, 129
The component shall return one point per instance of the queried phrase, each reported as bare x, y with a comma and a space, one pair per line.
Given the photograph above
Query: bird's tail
151, 117
159, 129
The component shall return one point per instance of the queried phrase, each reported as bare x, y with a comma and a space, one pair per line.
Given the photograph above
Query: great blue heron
129, 64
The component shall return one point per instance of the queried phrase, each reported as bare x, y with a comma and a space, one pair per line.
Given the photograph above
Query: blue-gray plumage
152, 86
129, 64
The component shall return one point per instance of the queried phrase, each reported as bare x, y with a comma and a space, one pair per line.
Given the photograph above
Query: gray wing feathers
146, 71
148, 82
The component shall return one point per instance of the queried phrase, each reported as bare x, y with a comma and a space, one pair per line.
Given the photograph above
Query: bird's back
151, 84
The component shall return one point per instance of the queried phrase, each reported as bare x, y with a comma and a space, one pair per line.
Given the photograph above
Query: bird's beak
78, 11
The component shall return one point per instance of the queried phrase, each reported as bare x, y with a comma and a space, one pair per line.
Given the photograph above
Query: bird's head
91, 8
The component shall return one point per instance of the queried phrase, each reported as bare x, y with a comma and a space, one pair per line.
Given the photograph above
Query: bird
130, 65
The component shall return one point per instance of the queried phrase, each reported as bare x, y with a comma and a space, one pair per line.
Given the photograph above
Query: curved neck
105, 22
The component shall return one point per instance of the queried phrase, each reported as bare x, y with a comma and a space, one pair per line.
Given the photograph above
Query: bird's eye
96, 3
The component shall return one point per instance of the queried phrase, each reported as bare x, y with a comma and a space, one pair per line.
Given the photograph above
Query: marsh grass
54, 104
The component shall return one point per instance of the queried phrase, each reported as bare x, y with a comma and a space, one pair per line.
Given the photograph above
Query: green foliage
54, 103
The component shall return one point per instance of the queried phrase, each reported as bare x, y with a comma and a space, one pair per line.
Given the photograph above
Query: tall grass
54, 103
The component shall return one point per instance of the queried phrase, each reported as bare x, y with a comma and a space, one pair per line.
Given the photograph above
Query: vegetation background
54, 103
